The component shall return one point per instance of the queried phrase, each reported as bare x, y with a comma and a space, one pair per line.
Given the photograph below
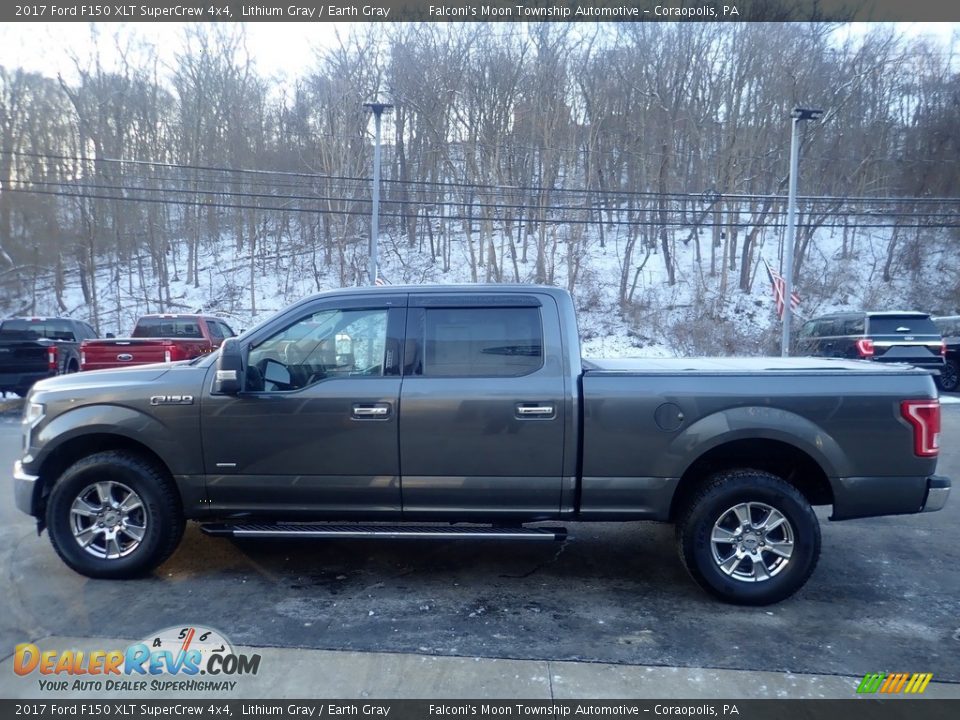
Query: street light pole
797, 116
377, 109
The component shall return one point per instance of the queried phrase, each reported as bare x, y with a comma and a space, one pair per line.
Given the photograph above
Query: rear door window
827, 328
482, 342
853, 326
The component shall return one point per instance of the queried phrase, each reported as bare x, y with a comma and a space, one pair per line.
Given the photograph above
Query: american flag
779, 289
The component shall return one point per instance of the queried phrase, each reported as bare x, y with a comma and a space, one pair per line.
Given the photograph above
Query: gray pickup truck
454, 412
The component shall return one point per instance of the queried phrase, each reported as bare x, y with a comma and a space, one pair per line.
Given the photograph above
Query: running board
398, 532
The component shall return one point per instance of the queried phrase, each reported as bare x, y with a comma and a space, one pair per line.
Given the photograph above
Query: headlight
32, 412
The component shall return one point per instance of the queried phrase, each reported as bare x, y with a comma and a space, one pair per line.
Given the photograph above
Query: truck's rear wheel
114, 515
748, 537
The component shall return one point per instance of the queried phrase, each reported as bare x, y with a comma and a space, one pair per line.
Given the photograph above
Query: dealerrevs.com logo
171, 660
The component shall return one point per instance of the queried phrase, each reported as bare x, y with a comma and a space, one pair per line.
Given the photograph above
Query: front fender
178, 448
752, 423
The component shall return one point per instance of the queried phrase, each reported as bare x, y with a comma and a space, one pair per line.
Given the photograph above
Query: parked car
157, 338
33, 348
950, 330
470, 412
902, 337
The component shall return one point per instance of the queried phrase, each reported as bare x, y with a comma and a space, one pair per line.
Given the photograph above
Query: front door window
326, 344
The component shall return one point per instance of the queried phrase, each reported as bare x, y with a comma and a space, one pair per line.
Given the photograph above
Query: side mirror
110, 336
227, 380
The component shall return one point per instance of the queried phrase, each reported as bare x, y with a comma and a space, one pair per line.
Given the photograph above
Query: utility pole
377, 110
798, 115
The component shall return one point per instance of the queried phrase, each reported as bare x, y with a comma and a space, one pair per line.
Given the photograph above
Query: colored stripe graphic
918, 682
871, 682
892, 683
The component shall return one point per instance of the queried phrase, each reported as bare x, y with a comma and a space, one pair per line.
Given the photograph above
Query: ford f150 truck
156, 338
454, 412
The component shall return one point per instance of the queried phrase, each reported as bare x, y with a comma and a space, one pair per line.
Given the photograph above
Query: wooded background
516, 144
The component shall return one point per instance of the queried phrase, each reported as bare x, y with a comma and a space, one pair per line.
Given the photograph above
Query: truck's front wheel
114, 515
749, 537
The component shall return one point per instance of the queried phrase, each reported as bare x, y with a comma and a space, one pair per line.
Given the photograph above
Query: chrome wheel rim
108, 520
752, 542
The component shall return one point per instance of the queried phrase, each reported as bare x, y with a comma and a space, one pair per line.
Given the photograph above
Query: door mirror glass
277, 373
229, 368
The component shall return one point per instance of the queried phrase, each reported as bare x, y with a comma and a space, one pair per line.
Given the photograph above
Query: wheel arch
84, 445
774, 455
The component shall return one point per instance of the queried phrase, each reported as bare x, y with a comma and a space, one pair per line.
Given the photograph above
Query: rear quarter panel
848, 422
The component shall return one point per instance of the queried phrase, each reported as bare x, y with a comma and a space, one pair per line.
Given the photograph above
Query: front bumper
24, 486
938, 490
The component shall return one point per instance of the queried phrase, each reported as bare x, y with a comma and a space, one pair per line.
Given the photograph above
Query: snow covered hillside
699, 315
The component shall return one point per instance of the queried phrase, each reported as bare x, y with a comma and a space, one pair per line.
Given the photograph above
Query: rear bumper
933, 364
24, 487
938, 490
858, 497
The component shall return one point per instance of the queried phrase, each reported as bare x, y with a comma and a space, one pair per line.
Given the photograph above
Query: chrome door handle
377, 410
535, 411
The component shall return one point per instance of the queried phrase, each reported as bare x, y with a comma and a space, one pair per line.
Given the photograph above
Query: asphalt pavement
609, 613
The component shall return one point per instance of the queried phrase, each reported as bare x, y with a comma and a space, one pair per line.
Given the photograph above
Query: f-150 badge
171, 399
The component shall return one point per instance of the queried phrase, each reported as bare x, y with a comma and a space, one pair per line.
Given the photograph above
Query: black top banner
485, 11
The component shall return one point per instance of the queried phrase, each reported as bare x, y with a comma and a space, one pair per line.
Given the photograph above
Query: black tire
949, 378
73, 366
713, 504
156, 507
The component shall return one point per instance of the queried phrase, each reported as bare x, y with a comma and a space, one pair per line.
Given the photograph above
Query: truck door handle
372, 411
535, 411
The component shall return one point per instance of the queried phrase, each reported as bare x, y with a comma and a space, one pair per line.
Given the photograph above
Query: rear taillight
52, 358
172, 353
943, 348
865, 347
924, 416
83, 359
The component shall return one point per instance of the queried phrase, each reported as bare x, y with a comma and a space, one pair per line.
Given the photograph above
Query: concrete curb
292, 673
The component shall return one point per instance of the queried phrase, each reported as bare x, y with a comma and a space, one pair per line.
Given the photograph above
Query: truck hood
743, 365
103, 378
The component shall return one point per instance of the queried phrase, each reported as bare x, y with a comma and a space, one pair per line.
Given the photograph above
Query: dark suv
904, 337
950, 329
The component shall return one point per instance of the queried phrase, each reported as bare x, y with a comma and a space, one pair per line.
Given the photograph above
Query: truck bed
657, 414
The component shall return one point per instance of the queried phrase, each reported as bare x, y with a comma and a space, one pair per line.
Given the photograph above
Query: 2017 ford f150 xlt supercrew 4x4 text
457, 412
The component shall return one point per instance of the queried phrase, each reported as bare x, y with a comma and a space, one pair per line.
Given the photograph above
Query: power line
406, 203
533, 188
427, 216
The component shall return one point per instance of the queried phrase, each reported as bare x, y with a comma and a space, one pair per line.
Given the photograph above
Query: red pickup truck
156, 338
